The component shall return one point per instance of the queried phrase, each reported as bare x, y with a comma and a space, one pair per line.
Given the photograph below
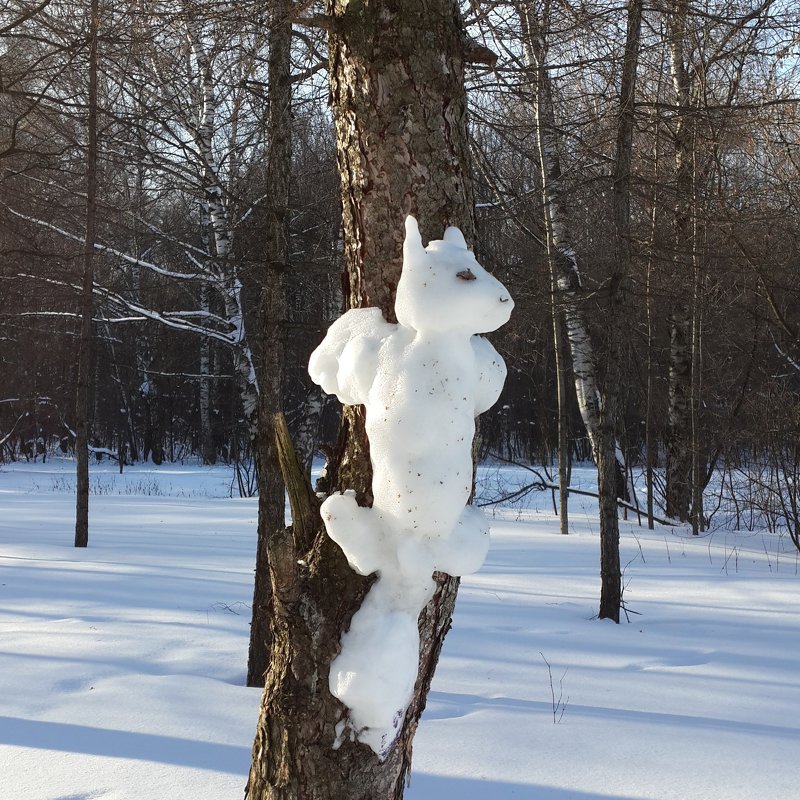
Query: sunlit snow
122, 666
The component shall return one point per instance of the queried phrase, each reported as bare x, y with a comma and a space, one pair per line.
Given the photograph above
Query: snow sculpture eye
466, 275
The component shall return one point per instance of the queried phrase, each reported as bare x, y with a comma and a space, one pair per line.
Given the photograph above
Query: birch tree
597, 402
185, 90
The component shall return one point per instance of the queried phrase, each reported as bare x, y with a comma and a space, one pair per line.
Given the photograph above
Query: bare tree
87, 294
597, 400
273, 319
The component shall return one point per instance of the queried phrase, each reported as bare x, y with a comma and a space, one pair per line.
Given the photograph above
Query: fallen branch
541, 485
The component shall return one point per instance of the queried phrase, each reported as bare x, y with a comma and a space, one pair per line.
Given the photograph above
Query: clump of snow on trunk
423, 382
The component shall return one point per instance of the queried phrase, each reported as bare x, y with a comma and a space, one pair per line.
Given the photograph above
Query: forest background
182, 197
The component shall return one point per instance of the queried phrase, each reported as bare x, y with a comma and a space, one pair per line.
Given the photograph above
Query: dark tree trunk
272, 319
608, 473
85, 346
399, 105
679, 428
679, 431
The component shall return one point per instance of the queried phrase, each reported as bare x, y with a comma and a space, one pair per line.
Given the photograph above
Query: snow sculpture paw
423, 382
351, 528
465, 550
348, 355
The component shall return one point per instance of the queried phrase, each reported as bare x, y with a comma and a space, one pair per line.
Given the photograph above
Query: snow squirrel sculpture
423, 382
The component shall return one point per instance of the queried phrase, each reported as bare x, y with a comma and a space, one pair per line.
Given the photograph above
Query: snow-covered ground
122, 666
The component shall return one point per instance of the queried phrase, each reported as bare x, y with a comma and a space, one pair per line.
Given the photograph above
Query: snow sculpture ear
412, 245
455, 237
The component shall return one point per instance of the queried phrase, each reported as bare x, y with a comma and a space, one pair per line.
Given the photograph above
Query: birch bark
225, 273
561, 251
598, 404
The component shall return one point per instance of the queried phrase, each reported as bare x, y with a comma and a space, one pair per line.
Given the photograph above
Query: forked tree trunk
398, 100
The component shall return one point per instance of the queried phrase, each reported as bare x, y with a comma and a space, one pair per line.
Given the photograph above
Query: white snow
122, 666
423, 382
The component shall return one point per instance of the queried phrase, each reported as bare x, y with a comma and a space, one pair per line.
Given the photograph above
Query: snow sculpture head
423, 381
444, 288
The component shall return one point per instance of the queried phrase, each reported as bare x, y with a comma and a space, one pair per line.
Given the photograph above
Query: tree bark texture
273, 323
400, 111
85, 345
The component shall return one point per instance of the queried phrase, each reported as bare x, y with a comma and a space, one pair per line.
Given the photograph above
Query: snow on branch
178, 320
103, 248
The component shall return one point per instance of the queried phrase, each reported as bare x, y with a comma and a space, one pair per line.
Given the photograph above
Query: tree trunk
560, 246
272, 320
207, 448
679, 445
85, 346
400, 110
598, 403
698, 483
607, 468
651, 442
563, 416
